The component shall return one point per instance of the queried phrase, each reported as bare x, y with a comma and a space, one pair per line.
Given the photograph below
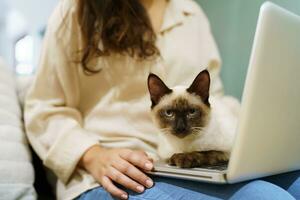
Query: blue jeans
279, 187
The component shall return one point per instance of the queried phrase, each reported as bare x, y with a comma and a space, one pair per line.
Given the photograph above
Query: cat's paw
184, 160
198, 159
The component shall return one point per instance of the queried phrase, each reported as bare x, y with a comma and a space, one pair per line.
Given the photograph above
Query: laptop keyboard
219, 166
161, 166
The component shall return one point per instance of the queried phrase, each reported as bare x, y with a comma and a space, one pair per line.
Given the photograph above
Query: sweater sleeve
53, 121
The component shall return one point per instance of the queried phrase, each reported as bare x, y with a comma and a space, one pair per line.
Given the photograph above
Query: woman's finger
115, 175
151, 159
128, 169
148, 157
138, 159
112, 189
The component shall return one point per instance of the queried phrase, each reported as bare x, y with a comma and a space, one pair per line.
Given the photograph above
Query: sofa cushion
23, 84
16, 169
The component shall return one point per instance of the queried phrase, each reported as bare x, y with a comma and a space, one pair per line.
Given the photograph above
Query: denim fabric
280, 187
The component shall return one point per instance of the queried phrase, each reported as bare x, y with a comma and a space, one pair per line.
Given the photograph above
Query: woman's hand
123, 166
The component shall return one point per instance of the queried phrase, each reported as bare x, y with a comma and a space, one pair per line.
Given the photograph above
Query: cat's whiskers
197, 128
194, 133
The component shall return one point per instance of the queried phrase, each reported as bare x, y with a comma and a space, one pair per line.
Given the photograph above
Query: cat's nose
181, 132
180, 129
181, 126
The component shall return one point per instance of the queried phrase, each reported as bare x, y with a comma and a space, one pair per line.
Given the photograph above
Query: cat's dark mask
180, 111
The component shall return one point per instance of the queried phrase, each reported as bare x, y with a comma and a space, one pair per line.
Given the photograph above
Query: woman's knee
261, 190
294, 188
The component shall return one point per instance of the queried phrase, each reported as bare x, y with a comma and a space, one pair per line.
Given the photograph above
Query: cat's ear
200, 86
157, 89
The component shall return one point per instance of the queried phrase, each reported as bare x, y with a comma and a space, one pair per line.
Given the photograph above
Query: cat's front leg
198, 159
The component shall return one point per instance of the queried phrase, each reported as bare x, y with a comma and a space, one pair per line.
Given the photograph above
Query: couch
16, 167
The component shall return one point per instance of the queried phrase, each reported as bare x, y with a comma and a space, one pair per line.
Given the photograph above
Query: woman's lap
288, 181
284, 186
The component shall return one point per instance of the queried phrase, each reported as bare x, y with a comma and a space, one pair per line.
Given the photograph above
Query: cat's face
180, 111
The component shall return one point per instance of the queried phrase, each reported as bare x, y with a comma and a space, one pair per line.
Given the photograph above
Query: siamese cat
190, 135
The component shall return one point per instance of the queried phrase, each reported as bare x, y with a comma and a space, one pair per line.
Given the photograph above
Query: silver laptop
268, 133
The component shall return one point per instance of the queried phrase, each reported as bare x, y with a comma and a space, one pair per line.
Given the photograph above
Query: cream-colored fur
217, 135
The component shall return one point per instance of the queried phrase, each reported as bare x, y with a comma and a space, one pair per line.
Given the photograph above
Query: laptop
268, 133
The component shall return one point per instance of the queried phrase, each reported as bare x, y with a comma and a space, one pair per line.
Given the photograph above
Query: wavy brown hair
120, 26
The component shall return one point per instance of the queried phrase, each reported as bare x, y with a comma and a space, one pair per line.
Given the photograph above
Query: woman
87, 114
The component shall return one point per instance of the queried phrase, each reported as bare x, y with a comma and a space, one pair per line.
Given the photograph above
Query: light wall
18, 17
233, 24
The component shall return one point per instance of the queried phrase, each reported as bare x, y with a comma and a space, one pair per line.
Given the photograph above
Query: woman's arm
54, 123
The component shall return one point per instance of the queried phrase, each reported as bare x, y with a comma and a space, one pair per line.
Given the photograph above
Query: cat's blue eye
192, 111
169, 113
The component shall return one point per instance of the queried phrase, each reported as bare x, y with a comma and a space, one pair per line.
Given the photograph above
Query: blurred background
23, 22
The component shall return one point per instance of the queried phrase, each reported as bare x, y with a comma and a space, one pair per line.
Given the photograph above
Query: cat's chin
183, 136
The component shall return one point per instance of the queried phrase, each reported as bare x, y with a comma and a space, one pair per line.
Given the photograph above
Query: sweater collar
176, 12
